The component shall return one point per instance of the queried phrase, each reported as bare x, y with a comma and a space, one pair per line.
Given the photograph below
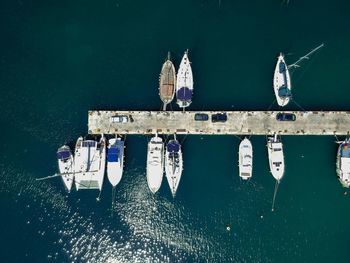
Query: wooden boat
167, 81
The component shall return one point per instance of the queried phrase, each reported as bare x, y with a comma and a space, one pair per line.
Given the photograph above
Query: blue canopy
112, 155
63, 155
173, 146
184, 94
284, 92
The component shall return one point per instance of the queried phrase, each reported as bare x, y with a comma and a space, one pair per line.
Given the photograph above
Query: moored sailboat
276, 161
173, 164
184, 83
245, 159
155, 163
89, 163
343, 162
282, 82
66, 166
167, 81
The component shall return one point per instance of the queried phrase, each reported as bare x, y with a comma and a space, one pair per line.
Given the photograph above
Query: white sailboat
276, 157
115, 160
184, 83
245, 159
173, 164
65, 166
276, 162
155, 163
343, 162
281, 82
89, 163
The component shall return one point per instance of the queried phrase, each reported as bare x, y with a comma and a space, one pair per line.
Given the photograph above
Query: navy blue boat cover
173, 146
184, 93
63, 155
282, 67
112, 155
284, 92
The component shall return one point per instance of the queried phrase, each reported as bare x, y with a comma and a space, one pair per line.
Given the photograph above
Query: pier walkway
238, 123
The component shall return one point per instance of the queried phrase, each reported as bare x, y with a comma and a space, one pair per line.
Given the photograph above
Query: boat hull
276, 157
343, 163
282, 82
167, 81
89, 163
115, 161
245, 159
173, 167
155, 164
66, 166
184, 83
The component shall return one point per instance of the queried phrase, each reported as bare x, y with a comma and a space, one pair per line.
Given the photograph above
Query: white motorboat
155, 163
184, 83
66, 166
343, 162
245, 159
276, 157
281, 82
89, 163
115, 160
173, 164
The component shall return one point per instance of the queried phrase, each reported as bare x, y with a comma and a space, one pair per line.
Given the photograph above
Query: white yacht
276, 157
65, 166
155, 163
281, 82
115, 160
245, 159
343, 162
89, 163
173, 164
184, 83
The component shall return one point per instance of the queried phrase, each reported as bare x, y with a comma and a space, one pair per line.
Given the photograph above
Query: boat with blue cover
184, 83
115, 160
66, 166
173, 164
282, 82
343, 162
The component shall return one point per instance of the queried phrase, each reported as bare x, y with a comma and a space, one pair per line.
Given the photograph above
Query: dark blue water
60, 59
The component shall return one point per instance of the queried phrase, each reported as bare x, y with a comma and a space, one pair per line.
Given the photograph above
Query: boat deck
238, 123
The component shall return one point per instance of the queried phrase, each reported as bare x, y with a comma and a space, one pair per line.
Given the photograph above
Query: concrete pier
238, 123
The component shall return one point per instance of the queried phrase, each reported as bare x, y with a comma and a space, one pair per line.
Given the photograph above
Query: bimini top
284, 92
345, 150
184, 93
113, 154
173, 146
63, 155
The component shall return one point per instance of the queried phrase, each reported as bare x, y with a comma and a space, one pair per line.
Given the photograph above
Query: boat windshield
89, 143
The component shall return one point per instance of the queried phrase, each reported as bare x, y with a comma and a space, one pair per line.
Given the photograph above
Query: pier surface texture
238, 123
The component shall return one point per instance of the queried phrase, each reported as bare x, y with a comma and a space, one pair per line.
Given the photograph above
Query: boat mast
295, 64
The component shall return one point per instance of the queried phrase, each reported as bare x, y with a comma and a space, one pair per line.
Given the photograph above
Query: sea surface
59, 59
